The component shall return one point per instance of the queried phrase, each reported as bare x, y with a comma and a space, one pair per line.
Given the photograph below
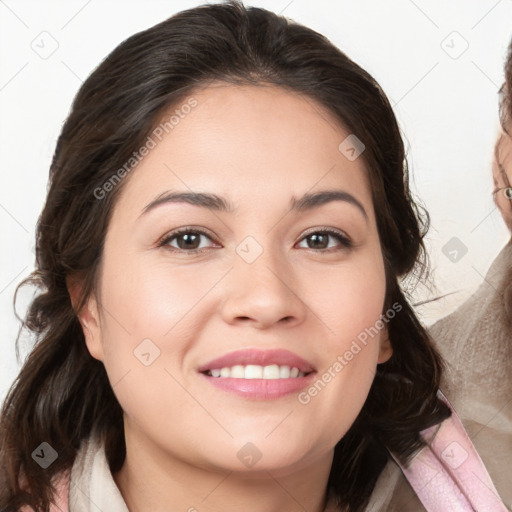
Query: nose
263, 293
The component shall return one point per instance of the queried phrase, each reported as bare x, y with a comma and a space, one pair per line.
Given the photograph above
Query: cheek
354, 328
504, 205
145, 334
351, 297
149, 315
151, 299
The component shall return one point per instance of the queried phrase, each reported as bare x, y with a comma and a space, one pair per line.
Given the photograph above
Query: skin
258, 147
502, 176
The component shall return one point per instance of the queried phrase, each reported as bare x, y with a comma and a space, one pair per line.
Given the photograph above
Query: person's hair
505, 93
62, 394
505, 113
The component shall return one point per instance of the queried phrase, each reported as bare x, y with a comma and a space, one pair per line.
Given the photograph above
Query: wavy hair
62, 393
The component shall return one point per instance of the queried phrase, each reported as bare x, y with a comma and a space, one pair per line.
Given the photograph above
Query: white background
446, 102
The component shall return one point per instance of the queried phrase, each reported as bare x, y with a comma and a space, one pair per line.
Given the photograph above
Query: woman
221, 325
476, 339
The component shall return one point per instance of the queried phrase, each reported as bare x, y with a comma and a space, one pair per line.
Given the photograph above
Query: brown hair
506, 95
62, 393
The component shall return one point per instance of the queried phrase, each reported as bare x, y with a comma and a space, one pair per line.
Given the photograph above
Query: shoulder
489, 299
393, 492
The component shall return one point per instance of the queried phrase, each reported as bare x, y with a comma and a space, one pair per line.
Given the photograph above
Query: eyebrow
220, 204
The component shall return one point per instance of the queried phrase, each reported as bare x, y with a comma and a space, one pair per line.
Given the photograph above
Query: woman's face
265, 281
502, 176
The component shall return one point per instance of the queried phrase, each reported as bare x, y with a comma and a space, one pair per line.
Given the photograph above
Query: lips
245, 357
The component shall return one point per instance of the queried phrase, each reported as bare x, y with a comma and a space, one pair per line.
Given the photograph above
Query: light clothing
92, 486
476, 343
447, 474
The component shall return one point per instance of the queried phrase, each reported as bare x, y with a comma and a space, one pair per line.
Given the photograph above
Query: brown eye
319, 240
187, 240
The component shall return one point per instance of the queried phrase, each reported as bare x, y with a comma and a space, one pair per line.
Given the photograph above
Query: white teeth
271, 372
238, 372
254, 371
284, 372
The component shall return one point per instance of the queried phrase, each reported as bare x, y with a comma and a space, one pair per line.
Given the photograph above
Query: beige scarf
476, 344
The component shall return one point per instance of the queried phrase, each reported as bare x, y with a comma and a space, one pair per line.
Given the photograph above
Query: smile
253, 371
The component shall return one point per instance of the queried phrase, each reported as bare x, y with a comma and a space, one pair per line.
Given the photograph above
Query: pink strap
448, 473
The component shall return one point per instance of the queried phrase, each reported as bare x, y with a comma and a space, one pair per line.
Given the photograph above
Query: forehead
251, 141
505, 149
503, 156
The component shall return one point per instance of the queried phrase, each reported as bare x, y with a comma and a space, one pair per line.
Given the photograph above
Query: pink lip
261, 389
259, 357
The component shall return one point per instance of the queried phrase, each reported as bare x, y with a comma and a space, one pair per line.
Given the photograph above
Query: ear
385, 348
88, 317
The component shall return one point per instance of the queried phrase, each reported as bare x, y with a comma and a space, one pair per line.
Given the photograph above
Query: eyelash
345, 242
